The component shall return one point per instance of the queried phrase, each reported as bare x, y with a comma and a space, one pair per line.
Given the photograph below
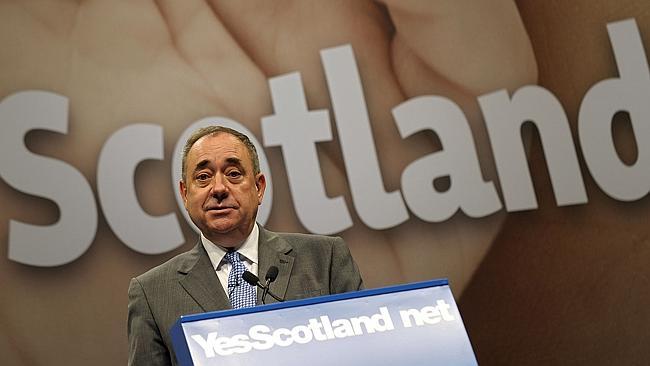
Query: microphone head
272, 273
250, 278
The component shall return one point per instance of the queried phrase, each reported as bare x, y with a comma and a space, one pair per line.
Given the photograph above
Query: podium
413, 324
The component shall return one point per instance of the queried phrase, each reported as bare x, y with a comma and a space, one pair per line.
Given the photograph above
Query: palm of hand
171, 63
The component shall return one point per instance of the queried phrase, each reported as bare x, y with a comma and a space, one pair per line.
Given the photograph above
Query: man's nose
219, 188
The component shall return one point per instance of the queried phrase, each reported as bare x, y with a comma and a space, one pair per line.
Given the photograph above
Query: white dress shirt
247, 250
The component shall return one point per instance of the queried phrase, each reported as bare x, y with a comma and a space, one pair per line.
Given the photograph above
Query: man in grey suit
222, 186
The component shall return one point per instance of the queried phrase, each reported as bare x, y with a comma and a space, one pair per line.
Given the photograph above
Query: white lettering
120, 156
260, 333
357, 143
458, 160
504, 118
72, 234
206, 344
260, 337
296, 130
427, 315
631, 93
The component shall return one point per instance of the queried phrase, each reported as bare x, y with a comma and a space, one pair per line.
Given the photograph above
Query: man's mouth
220, 208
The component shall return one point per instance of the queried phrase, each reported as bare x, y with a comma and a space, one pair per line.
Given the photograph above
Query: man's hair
213, 131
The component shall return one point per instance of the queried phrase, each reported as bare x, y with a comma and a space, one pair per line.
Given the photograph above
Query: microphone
271, 275
251, 278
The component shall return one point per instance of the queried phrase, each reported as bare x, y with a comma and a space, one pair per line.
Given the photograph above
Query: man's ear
182, 188
260, 185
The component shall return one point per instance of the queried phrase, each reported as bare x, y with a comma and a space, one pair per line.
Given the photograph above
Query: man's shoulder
301, 238
171, 267
309, 244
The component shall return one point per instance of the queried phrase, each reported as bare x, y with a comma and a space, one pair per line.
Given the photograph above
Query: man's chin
222, 232
220, 229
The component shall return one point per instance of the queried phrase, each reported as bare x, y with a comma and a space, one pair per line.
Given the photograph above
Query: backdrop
398, 125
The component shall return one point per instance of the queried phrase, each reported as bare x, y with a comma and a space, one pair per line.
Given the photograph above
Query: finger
201, 40
465, 42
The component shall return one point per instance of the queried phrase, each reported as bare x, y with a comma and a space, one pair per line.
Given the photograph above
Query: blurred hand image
171, 63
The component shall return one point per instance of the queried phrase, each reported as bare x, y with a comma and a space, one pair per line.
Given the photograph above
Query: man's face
221, 193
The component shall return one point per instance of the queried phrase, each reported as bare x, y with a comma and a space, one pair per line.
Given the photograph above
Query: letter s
70, 237
261, 333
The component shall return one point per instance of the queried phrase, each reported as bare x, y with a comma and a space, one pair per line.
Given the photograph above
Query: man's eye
234, 174
202, 177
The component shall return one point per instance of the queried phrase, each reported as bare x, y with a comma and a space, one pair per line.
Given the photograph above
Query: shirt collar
248, 248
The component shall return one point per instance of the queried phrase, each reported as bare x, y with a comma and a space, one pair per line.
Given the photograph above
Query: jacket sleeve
344, 273
146, 347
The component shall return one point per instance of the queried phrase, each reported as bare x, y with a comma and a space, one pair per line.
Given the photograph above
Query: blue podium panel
415, 324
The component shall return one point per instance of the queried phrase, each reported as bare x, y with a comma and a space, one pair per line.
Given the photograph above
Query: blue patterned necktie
242, 294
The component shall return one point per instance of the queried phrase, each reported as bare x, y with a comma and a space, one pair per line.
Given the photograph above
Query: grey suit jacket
310, 265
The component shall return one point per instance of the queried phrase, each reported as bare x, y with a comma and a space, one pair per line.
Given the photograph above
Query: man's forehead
227, 147
227, 161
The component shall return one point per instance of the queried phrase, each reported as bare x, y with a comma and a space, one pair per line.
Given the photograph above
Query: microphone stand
255, 281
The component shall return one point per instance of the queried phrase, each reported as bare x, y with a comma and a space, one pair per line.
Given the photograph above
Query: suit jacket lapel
199, 279
274, 251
